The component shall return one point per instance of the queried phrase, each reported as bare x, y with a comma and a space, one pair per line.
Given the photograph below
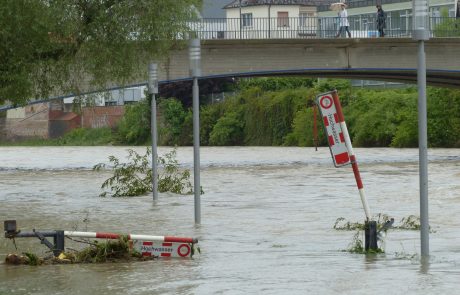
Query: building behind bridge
275, 19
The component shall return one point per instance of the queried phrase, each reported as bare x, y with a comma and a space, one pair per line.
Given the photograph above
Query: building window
306, 18
246, 19
283, 19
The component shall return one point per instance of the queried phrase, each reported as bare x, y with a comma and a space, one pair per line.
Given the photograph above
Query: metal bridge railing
315, 27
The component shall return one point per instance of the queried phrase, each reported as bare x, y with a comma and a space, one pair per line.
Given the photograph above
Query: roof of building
236, 3
213, 8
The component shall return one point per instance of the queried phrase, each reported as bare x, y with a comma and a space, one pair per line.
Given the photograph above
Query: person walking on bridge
343, 21
381, 20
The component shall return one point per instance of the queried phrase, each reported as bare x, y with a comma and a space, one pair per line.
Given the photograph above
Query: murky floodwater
267, 217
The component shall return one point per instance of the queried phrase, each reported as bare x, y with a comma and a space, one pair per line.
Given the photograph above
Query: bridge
384, 59
306, 47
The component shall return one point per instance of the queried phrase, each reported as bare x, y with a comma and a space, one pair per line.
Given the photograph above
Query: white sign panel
163, 249
334, 133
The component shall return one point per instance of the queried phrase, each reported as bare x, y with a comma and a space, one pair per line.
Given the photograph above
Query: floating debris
97, 252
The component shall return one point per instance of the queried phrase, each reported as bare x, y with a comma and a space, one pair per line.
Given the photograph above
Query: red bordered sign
334, 132
163, 249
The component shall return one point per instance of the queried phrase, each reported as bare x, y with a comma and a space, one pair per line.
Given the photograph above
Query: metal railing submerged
316, 27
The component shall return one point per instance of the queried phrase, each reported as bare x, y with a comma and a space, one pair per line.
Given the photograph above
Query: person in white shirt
343, 21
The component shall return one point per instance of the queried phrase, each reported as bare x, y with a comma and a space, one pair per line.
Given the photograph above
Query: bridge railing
315, 27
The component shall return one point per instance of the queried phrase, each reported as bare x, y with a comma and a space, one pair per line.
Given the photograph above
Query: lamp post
153, 89
195, 72
421, 34
241, 21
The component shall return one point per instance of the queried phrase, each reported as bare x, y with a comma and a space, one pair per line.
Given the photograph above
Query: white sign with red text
334, 132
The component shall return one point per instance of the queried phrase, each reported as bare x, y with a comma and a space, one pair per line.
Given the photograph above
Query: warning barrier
148, 245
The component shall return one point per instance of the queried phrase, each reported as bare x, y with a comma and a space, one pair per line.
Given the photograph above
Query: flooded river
267, 222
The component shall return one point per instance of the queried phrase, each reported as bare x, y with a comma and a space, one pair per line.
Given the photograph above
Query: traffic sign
333, 129
163, 249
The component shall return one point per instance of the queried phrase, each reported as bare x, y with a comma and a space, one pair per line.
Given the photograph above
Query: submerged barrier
147, 245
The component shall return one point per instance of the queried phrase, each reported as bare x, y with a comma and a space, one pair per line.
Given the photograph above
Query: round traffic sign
325, 102
183, 250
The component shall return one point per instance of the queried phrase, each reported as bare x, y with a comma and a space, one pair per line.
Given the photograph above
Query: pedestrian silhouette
381, 20
343, 20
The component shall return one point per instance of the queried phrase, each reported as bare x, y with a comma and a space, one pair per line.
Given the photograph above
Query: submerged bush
106, 251
134, 178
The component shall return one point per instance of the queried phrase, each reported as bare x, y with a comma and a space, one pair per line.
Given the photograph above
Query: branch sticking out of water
410, 222
134, 178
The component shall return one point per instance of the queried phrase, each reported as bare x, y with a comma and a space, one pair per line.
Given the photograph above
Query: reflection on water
267, 218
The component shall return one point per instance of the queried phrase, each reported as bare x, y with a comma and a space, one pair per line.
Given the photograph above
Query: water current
267, 222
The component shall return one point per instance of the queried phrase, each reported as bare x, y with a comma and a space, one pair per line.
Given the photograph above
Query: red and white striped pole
351, 153
315, 128
104, 235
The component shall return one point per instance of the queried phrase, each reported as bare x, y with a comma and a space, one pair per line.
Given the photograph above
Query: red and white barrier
104, 235
147, 245
339, 139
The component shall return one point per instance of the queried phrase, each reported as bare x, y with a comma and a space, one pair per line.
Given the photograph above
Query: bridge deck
392, 59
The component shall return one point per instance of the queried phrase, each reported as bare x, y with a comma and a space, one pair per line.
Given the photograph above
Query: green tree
443, 119
275, 83
446, 26
134, 127
49, 46
228, 130
173, 117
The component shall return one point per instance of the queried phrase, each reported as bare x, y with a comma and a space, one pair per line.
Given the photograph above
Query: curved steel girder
439, 78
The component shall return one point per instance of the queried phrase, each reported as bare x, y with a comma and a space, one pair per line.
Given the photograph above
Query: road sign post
339, 139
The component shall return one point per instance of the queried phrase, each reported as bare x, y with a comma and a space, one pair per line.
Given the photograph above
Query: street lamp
421, 34
195, 72
153, 89
241, 21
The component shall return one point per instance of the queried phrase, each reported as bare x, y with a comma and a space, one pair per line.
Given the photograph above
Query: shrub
134, 178
134, 127
228, 130
173, 116
87, 136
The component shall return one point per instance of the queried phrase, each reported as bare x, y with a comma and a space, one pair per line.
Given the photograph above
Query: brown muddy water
267, 218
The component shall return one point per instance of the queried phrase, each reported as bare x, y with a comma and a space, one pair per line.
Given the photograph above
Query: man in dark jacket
381, 20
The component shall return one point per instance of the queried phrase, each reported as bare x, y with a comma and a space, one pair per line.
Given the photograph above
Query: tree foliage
375, 118
134, 178
134, 127
49, 46
173, 118
446, 26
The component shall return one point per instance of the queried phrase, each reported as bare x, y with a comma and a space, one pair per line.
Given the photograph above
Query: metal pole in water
195, 72
370, 235
420, 34
315, 128
423, 150
153, 89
